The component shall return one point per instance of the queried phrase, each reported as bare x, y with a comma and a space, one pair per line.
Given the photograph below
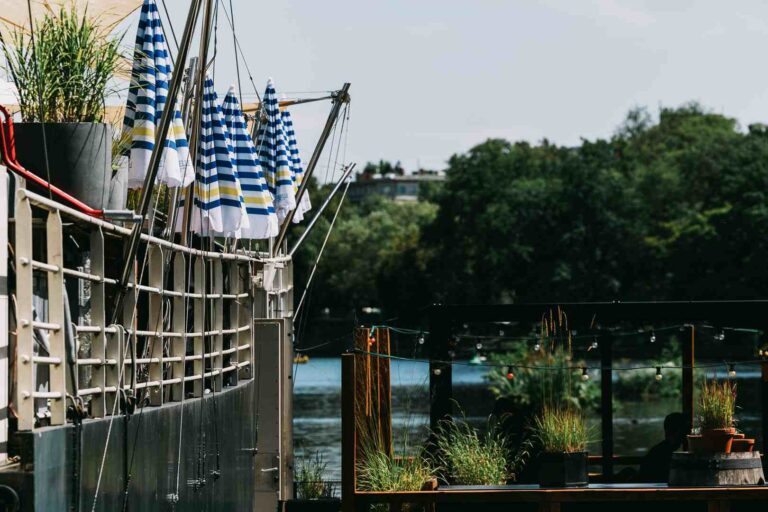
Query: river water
317, 409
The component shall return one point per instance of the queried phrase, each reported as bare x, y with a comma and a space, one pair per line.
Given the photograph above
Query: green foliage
378, 471
532, 389
70, 68
717, 405
310, 483
560, 429
469, 458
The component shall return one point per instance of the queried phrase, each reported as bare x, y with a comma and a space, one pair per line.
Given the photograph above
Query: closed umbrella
297, 170
219, 208
147, 98
274, 157
262, 220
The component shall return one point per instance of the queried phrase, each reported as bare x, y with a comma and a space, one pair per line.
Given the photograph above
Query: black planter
318, 505
563, 469
79, 157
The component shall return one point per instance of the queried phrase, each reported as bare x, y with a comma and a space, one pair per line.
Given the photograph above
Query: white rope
320, 254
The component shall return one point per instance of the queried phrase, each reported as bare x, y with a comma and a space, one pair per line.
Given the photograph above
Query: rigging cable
240, 49
237, 57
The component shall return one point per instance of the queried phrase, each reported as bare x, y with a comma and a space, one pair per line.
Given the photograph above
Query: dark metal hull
216, 436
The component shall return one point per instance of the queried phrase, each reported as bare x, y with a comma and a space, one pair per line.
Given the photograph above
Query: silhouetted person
655, 465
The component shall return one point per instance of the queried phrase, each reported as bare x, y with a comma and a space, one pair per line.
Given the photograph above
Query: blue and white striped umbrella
147, 98
274, 157
258, 201
297, 170
219, 207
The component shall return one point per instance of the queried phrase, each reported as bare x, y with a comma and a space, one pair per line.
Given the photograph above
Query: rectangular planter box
563, 469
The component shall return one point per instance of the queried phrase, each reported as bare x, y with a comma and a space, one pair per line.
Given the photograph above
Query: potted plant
717, 406
563, 437
62, 79
313, 492
468, 458
383, 472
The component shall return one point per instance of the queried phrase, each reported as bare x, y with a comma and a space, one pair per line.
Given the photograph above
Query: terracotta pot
717, 440
695, 444
742, 445
738, 435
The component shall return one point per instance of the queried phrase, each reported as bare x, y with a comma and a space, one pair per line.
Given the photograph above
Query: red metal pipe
8, 150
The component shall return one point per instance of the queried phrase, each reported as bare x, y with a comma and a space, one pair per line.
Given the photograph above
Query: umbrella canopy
273, 154
262, 219
297, 170
147, 98
218, 196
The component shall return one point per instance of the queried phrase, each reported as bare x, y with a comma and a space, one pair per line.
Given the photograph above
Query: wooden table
549, 500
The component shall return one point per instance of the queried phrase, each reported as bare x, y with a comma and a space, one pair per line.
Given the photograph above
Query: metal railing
187, 324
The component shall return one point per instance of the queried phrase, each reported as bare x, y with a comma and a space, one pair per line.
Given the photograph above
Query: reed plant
560, 430
717, 405
469, 458
69, 68
380, 471
310, 483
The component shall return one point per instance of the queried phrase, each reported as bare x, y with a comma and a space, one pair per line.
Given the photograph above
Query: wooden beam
606, 404
688, 377
348, 433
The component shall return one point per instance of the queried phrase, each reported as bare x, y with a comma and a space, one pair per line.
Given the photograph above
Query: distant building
396, 187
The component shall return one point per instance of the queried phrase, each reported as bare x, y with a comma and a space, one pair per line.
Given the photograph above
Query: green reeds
310, 483
560, 429
379, 471
69, 68
469, 458
717, 405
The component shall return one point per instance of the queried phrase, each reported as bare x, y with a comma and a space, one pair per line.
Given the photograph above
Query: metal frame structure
444, 319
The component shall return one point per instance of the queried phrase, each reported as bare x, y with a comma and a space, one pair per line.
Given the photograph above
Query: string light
537, 347
594, 344
421, 339
731, 370
584, 373
510, 374
659, 376
479, 346
653, 336
451, 354
720, 335
437, 371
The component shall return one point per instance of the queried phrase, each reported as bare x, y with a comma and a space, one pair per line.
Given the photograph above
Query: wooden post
688, 361
606, 404
348, 433
440, 374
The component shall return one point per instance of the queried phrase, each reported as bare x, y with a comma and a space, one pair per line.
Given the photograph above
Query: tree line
671, 207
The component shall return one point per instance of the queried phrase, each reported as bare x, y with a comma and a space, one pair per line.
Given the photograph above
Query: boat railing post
98, 318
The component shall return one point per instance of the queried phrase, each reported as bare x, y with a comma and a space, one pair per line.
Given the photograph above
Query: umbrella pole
341, 98
154, 160
197, 117
173, 208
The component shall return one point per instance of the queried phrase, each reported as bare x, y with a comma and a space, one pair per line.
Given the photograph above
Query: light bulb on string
510, 374
584, 373
479, 346
437, 371
659, 376
731, 371
537, 347
653, 336
421, 339
594, 344
451, 354
720, 335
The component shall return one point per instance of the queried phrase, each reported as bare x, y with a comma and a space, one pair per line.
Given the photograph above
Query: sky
434, 78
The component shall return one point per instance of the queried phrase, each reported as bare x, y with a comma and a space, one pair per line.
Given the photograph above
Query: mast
341, 97
154, 161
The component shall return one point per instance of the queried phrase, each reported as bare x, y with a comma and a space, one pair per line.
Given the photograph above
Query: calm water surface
317, 409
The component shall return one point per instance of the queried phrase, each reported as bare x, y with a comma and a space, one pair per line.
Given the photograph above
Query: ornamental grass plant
560, 430
717, 405
69, 68
310, 483
469, 458
380, 471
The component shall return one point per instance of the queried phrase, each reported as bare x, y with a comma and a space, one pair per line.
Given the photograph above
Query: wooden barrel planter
690, 469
